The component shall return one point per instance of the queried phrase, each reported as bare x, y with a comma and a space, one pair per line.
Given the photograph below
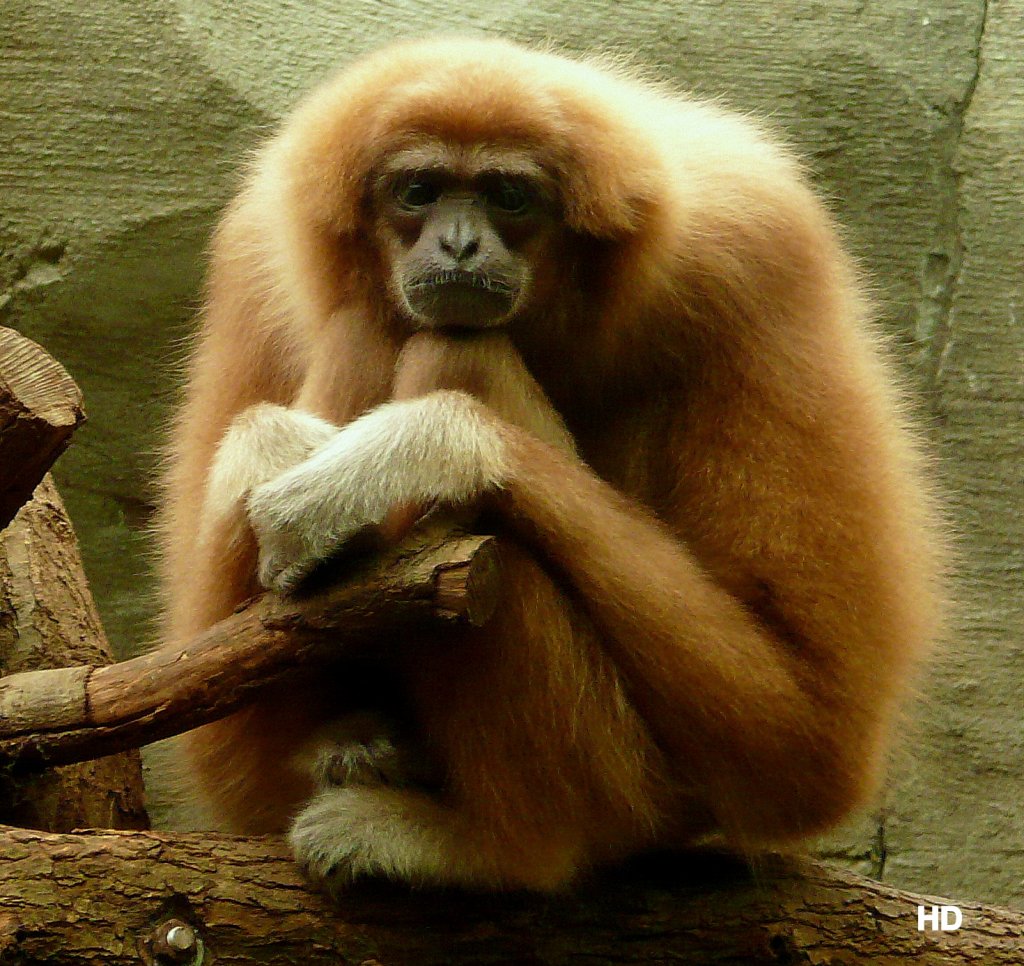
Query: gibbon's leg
538, 743
547, 767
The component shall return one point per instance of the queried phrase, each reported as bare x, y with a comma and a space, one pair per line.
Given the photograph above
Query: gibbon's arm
244, 355
766, 727
774, 706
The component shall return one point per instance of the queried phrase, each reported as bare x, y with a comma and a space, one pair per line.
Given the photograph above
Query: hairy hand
442, 448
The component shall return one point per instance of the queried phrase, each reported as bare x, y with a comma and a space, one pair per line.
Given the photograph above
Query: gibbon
611, 324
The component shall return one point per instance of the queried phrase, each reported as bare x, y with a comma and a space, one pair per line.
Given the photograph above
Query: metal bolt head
175, 941
181, 938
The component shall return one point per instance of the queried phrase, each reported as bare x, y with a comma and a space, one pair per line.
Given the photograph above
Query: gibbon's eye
417, 192
510, 197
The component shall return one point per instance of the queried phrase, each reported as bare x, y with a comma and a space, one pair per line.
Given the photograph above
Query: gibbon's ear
324, 155
341, 131
608, 187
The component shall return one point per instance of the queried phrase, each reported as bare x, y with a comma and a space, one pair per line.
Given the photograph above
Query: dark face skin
463, 241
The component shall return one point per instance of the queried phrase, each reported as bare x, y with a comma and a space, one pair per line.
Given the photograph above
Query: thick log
40, 407
113, 898
75, 713
48, 618
47, 615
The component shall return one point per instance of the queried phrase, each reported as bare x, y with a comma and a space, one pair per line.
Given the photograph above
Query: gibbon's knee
530, 701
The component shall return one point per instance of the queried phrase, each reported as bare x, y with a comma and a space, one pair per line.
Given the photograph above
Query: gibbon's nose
460, 240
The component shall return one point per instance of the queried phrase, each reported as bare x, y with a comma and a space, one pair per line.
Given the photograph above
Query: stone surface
121, 126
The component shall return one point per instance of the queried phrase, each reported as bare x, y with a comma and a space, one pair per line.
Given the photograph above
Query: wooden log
112, 899
40, 407
48, 618
71, 714
47, 615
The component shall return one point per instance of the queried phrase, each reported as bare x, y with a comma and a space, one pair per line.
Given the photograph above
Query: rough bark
74, 713
40, 407
48, 619
108, 898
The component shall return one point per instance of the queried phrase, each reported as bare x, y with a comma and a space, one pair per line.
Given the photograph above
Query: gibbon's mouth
458, 276
461, 299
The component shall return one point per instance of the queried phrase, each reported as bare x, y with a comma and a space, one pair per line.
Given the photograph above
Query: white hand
439, 448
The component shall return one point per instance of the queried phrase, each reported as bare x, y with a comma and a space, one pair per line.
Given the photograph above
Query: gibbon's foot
370, 748
350, 832
376, 761
411, 836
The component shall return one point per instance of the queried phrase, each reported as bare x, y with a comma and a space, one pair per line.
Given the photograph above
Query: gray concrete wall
121, 124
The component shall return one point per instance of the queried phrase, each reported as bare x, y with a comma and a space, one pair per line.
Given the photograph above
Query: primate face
463, 240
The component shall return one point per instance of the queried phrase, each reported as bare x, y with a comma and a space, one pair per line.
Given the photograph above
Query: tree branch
72, 714
110, 898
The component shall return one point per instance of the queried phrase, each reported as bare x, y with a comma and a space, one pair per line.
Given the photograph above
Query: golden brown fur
718, 546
